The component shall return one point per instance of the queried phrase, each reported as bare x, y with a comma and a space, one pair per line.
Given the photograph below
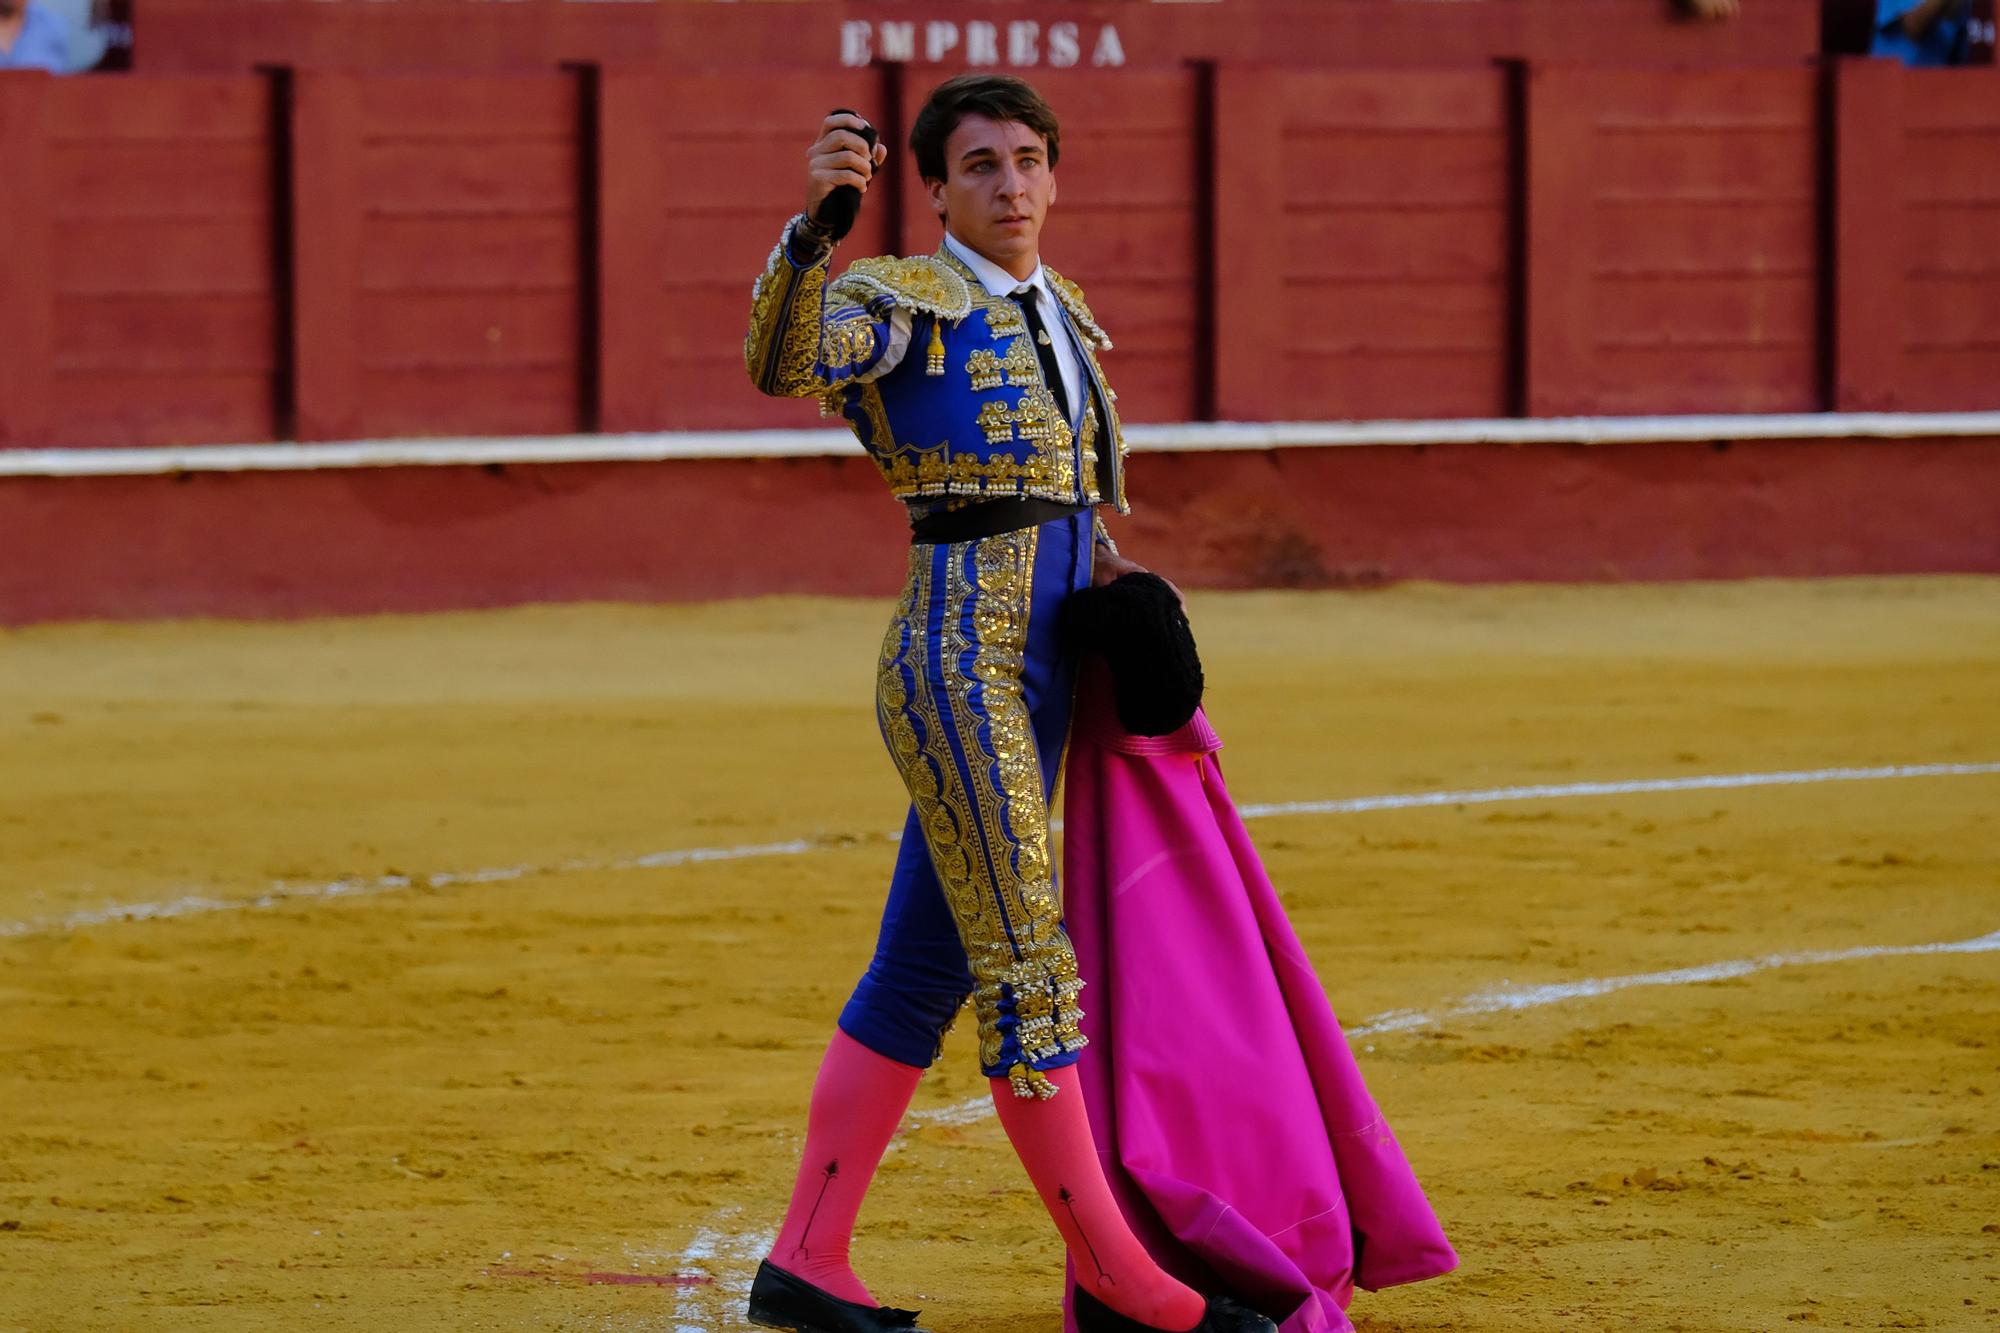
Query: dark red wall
420, 538
230, 36
322, 255
139, 299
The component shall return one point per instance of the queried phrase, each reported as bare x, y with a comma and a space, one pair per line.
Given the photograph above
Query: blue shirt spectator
1921, 32
32, 37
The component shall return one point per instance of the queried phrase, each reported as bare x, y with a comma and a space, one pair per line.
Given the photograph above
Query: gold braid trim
989, 839
782, 349
1071, 296
921, 285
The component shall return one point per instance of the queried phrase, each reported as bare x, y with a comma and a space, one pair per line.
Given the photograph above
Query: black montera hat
1137, 623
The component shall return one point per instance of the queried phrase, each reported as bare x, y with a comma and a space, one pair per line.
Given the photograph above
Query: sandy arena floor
425, 1027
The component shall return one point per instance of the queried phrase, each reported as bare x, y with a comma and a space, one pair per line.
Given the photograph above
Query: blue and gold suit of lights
970, 417
974, 685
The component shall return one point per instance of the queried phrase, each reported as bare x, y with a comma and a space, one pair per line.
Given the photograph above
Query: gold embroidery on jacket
989, 370
919, 284
1071, 296
781, 351
849, 339
881, 437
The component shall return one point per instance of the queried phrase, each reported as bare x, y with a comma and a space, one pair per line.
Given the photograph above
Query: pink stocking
1054, 1143
857, 1102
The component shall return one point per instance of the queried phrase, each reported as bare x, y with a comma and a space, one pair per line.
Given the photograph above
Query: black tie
1045, 350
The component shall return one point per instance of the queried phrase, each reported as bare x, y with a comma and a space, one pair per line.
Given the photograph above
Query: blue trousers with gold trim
973, 696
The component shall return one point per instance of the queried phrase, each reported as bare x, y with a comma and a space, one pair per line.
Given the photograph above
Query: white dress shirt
998, 282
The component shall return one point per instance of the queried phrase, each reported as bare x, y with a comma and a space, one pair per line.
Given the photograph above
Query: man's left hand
1109, 566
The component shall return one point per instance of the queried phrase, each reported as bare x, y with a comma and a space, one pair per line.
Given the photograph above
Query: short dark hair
995, 96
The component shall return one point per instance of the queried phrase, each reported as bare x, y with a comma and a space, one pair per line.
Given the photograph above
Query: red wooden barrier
422, 538
27, 315
1393, 243
439, 252
328, 255
1944, 245
1673, 251
732, 171
688, 36
139, 289
1917, 208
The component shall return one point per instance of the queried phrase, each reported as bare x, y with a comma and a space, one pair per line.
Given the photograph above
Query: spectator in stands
89, 35
1922, 32
1711, 10
33, 36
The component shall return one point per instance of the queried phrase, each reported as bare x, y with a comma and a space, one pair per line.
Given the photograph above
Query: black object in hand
838, 210
1137, 623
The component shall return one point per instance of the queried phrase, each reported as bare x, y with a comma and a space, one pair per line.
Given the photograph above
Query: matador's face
997, 190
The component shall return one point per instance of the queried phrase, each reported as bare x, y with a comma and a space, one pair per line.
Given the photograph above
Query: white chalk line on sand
1502, 999
283, 892
731, 1260
1707, 782
1506, 998
1511, 999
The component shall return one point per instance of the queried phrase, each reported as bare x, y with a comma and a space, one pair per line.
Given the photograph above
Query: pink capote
1228, 1110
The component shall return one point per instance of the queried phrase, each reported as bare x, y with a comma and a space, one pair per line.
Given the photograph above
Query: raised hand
840, 156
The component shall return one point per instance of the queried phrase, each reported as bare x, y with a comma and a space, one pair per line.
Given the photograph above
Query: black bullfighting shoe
780, 1300
1222, 1316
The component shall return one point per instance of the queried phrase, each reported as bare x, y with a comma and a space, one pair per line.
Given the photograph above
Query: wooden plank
1246, 270
1088, 243
1395, 100
1695, 165
1397, 243
468, 178
177, 407
1345, 317
1709, 99
162, 256
1090, 107
1658, 237
1154, 386
765, 175
137, 108
1955, 99
1561, 172
1952, 166
161, 180
1391, 385
27, 297
1419, 171
423, 108
1690, 311
788, 104
503, 401
1957, 380
327, 391
1953, 313
469, 254
1153, 170
708, 325
148, 334
1947, 241
1700, 380
634, 201
1868, 212
398, 331
698, 252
